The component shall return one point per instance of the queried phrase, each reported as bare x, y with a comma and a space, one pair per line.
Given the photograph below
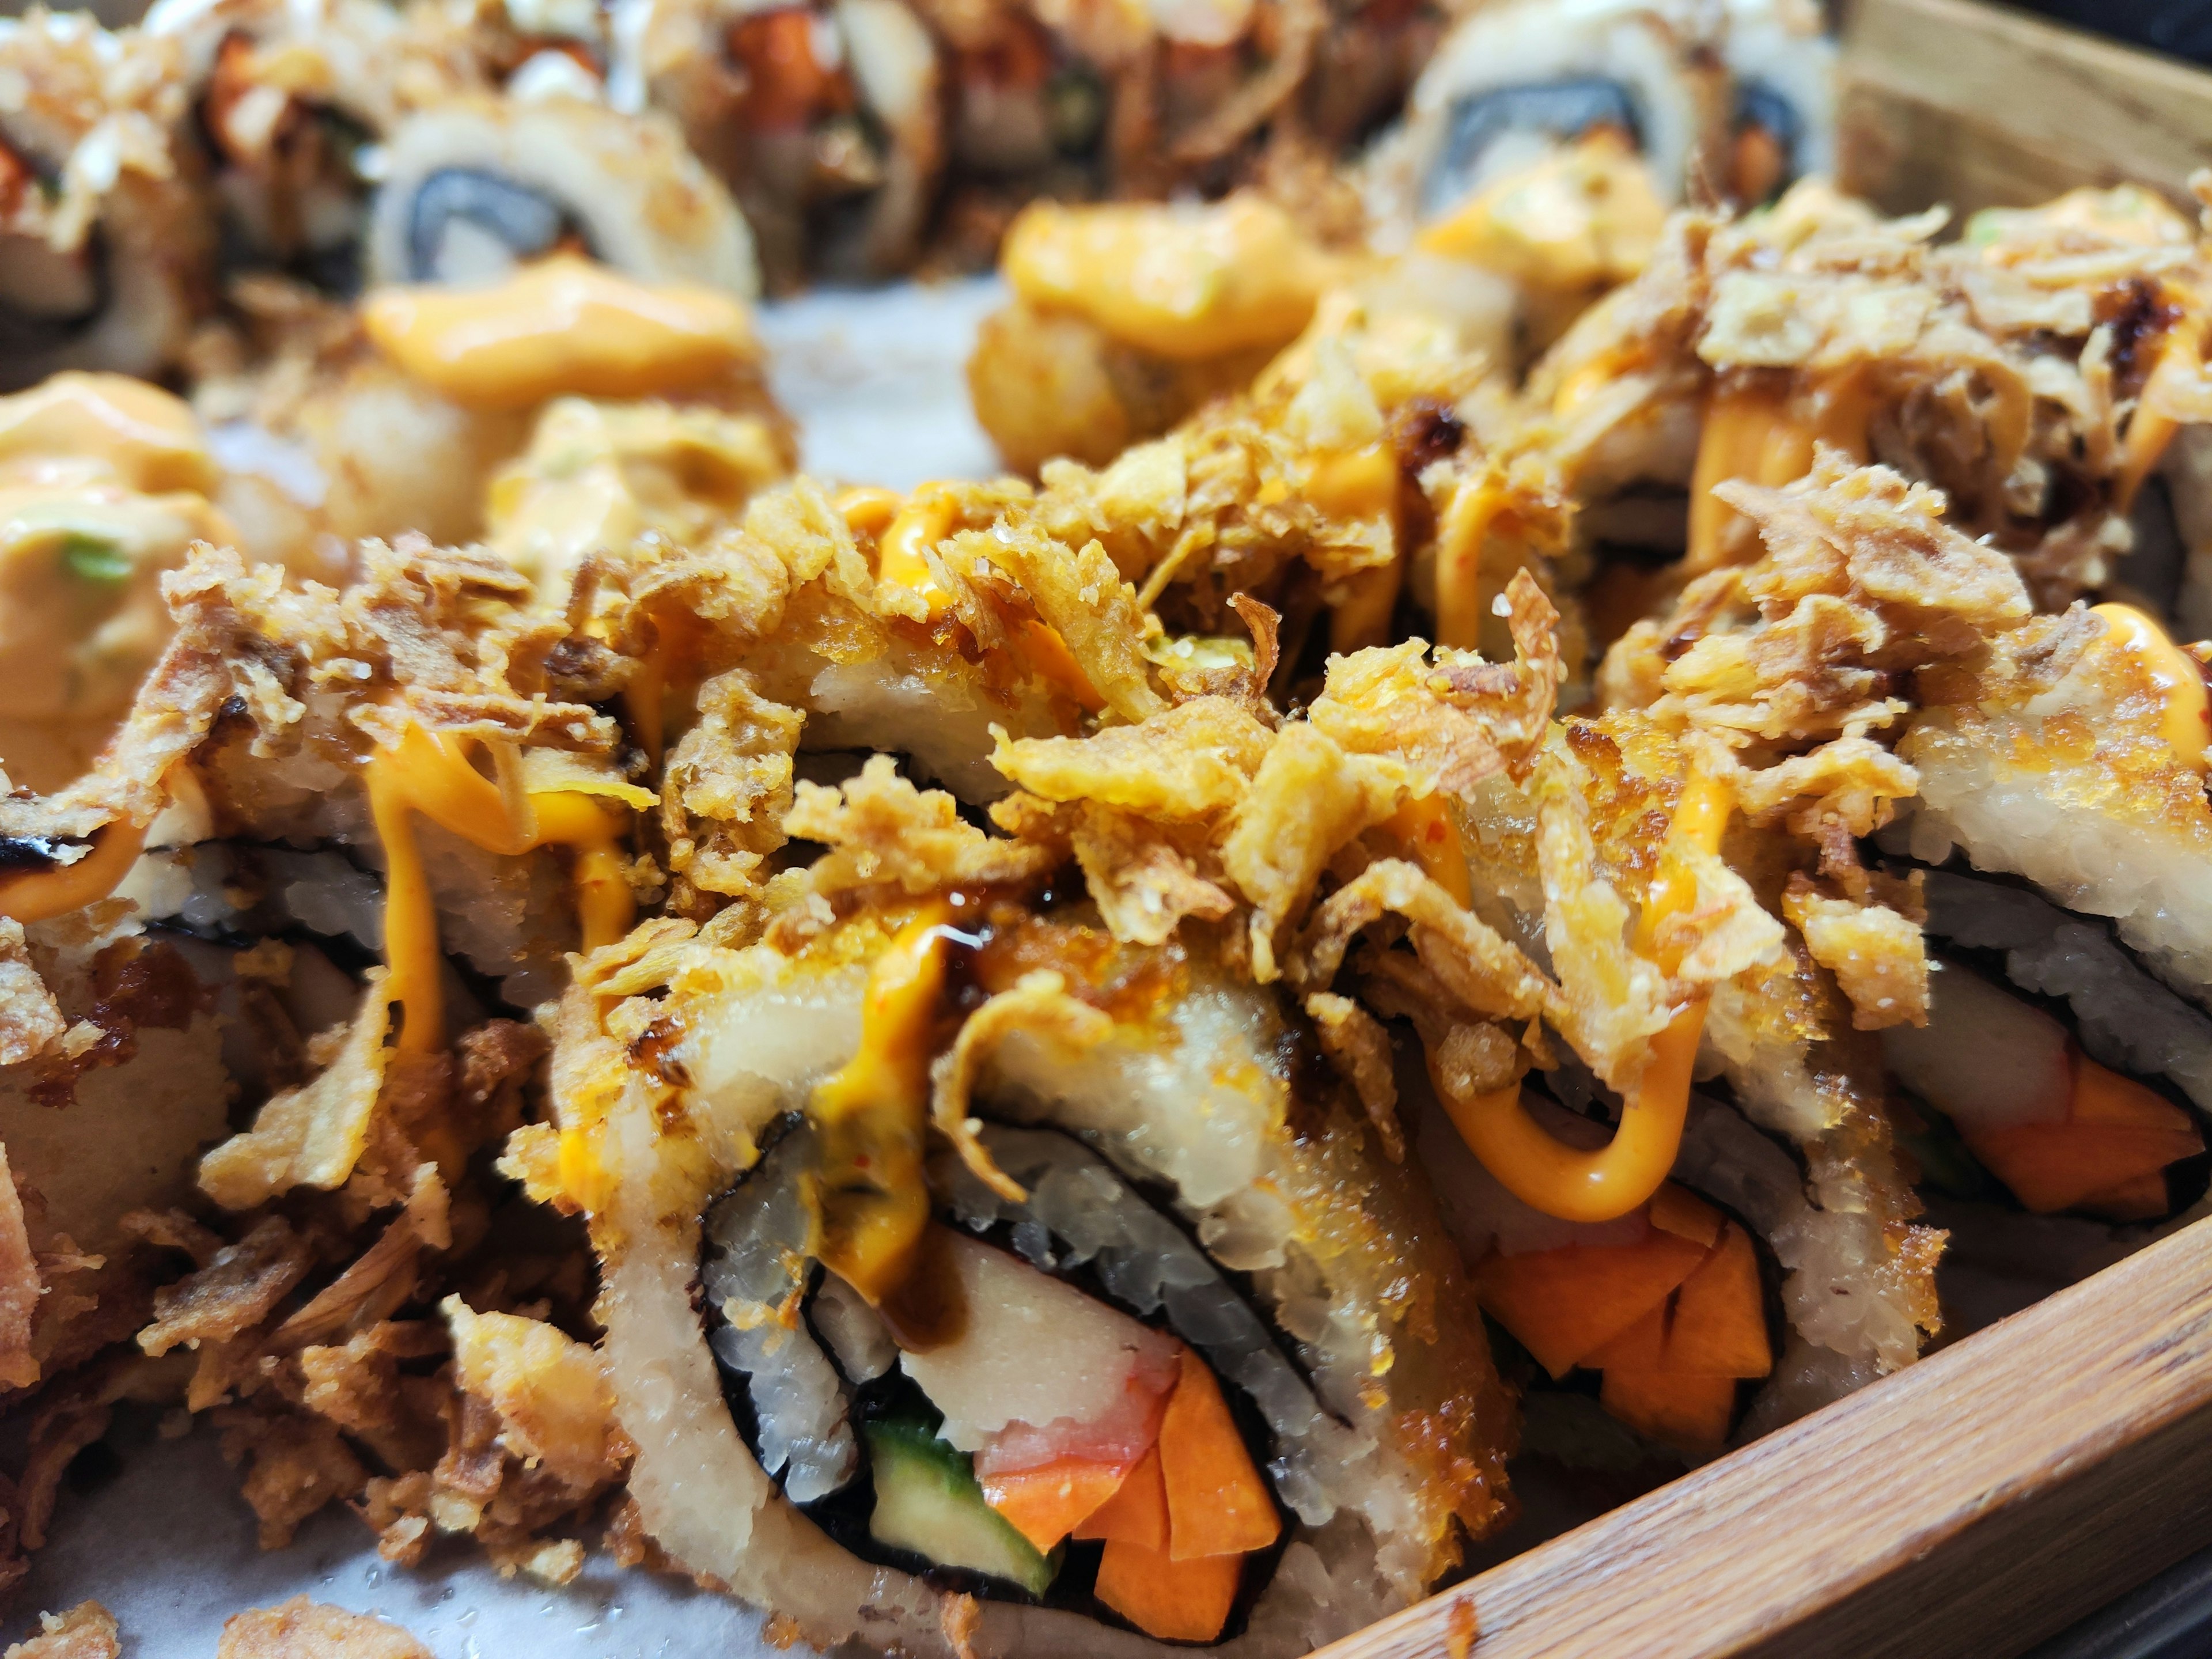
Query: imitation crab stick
1608, 1183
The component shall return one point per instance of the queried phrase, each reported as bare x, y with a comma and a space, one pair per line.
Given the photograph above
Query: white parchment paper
876, 380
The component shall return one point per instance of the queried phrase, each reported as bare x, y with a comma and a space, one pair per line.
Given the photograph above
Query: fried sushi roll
1735, 99
998, 1392
2061, 822
289, 104
1329, 488
193, 933
826, 122
1126, 318
105, 485
563, 411
474, 187
105, 260
2036, 373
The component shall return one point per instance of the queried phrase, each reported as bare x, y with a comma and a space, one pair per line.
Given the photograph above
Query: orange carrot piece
2103, 1096
1217, 1504
1170, 1601
1566, 1303
1045, 1504
2144, 1199
1719, 1328
1680, 1212
1137, 1514
2116, 1132
1691, 1412
1641, 1347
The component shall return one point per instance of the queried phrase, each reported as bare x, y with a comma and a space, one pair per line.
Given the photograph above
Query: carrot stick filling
1177, 1520
1672, 1321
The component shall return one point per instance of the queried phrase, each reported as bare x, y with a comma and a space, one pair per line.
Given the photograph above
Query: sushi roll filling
1562, 110
869, 1417
467, 224
2059, 1062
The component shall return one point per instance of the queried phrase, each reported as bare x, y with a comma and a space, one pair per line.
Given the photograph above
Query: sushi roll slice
1125, 318
289, 104
1747, 335
1672, 1304
331, 853
826, 122
105, 260
1330, 486
1511, 83
2062, 817
1782, 118
1136, 1364
564, 410
475, 187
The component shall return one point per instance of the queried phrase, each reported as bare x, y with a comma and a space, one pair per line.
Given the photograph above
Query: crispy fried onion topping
20, 1287
1037, 1003
883, 830
1453, 721
1879, 956
555, 1407
312, 1135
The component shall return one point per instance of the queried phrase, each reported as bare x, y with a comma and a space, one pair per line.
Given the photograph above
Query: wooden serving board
1971, 1505
1977, 105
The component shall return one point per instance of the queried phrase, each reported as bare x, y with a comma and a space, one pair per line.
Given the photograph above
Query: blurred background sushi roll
474, 187
826, 122
289, 104
105, 260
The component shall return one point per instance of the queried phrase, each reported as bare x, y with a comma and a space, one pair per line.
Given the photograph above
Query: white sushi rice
2020, 821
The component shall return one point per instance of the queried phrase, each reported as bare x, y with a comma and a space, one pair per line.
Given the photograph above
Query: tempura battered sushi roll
289, 103
865, 1383
1748, 345
1127, 317
1735, 99
105, 255
474, 187
594, 410
2066, 1042
825, 121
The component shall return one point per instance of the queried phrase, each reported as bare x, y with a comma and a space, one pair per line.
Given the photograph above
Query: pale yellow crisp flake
312, 1135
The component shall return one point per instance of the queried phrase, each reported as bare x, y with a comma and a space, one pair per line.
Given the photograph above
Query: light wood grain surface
1970, 1506
1958, 102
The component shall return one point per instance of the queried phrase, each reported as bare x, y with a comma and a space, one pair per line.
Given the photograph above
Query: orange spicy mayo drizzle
905, 530
872, 1114
2185, 722
41, 895
1612, 1180
1756, 432
428, 772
